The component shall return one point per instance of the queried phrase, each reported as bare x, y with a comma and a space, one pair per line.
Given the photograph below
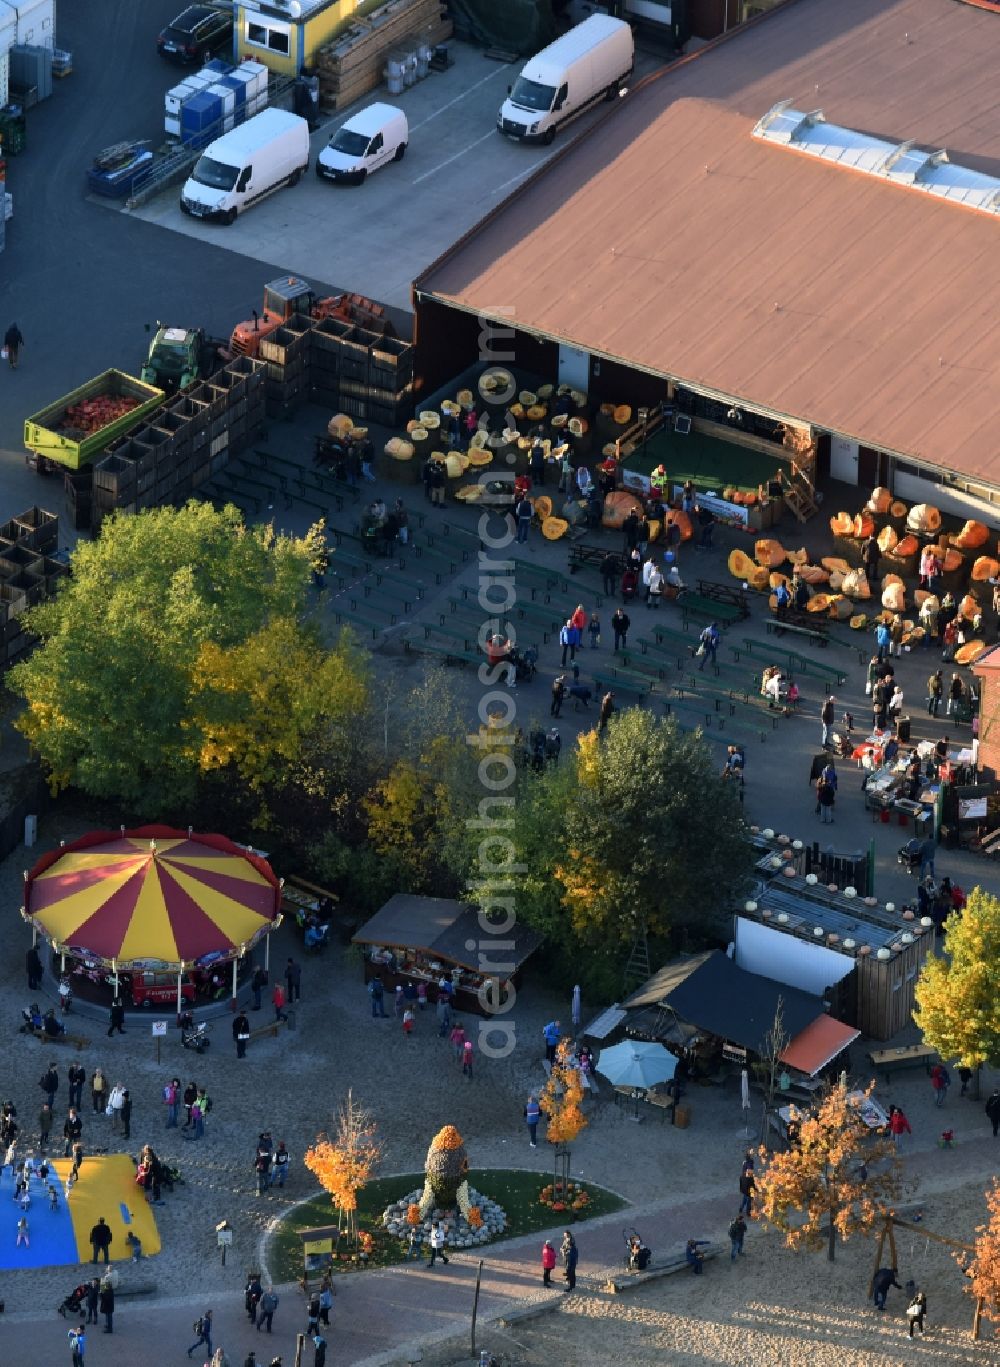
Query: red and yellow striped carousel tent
152, 896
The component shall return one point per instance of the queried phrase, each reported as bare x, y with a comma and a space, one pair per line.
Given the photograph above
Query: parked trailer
52, 435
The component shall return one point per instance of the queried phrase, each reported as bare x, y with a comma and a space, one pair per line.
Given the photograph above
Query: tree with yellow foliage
983, 1269
835, 1179
561, 1103
414, 812
958, 997
347, 1162
258, 702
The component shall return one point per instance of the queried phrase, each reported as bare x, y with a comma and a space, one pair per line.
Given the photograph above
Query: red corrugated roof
672, 240
818, 1044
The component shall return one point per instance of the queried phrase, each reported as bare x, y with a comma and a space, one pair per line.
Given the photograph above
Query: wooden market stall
424, 939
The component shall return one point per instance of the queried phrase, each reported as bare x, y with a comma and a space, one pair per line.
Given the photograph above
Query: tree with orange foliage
983, 1270
344, 1164
561, 1102
836, 1178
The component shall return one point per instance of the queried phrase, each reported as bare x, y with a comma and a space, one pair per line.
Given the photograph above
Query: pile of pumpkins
834, 588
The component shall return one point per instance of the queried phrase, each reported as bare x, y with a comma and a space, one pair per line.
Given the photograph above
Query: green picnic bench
778, 627
695, 605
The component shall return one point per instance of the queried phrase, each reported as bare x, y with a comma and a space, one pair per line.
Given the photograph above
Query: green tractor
178, 357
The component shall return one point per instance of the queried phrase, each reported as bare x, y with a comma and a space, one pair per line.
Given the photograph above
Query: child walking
22, 1232
594, 627
408, 1022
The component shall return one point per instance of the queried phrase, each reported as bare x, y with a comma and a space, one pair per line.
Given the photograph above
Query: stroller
637, 1254
909, 855
75, 1301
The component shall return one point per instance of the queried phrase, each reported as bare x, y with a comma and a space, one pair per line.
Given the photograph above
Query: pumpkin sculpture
924, 519
446, 1171
971, 537
880, 501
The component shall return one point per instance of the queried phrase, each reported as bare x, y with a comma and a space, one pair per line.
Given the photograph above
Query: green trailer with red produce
76, 429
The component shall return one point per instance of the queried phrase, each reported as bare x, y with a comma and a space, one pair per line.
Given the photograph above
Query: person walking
532, 1115
609, 575
620, 623
883, 640
125, 1111
13, 342
33, 967
607, 708
898, 1125
280, 1163
993, 1110
377, 994
72, 1130
325, 1301
203, 1328
467, 1059
551, 1034
548, 1262
76, 1077
44, 1126
826, 796
569, 639
117, 1018
558, 694
737, 1233
93, 1299
915, 1312
106, 1305
100, 1240
955, 691
570, 1257
881, 1282
268, 1305
709, 644
594, 628
319, 1350
935, 691
241, 1033
826, 717
293, 981
525, 512
457, 1040
442, 1010
78, 1344
278, 1002
98, 1090
940, 1081
927, 851
871, 554
747, 1186
172, 1099
49, 1083
436, 1240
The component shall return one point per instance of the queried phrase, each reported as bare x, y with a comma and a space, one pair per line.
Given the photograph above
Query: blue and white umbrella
635, 1063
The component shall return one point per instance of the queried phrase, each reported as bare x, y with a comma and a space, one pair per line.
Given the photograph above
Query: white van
367, 141
581, 67
247, 164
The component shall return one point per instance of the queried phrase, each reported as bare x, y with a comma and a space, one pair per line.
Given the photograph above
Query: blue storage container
201, 119
239, 93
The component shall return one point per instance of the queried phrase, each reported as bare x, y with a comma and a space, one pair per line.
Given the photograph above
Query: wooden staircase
799, 492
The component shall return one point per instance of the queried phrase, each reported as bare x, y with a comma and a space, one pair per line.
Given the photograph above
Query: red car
149, 989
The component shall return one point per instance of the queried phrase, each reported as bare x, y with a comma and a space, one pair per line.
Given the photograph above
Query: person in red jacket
278, 1002
898, 1125
548, 1263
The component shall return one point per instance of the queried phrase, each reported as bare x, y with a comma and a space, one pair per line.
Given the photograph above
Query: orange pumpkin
971, 537
617, 507
864, 525
740, 564
970, 652
880, 501
888, 539
968, 607
908, 546
842, 524
769, 553
923, 517
897, 509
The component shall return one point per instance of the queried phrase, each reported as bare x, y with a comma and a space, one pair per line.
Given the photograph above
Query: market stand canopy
447, 930
152, 897
711, 994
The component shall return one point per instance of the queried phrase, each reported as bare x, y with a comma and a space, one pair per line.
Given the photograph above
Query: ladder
799, 492
637, 969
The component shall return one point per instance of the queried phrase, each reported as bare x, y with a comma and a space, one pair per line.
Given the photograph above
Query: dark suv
195, 34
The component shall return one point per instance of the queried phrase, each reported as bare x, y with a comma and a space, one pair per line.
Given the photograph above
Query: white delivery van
588, 63
367, 141
245, 165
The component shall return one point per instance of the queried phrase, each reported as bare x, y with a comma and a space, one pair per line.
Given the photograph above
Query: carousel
153, 914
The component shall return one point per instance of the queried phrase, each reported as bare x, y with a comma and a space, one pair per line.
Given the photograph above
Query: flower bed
561, 1197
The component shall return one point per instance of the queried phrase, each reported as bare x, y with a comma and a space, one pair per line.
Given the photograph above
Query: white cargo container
36, 22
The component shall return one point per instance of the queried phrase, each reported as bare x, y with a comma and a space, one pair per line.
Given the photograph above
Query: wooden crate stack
355, 63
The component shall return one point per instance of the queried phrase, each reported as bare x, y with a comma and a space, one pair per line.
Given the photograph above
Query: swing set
893, 1222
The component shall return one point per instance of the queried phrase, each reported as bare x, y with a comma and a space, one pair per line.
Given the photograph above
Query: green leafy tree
112, 700
653, 837
958, 997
